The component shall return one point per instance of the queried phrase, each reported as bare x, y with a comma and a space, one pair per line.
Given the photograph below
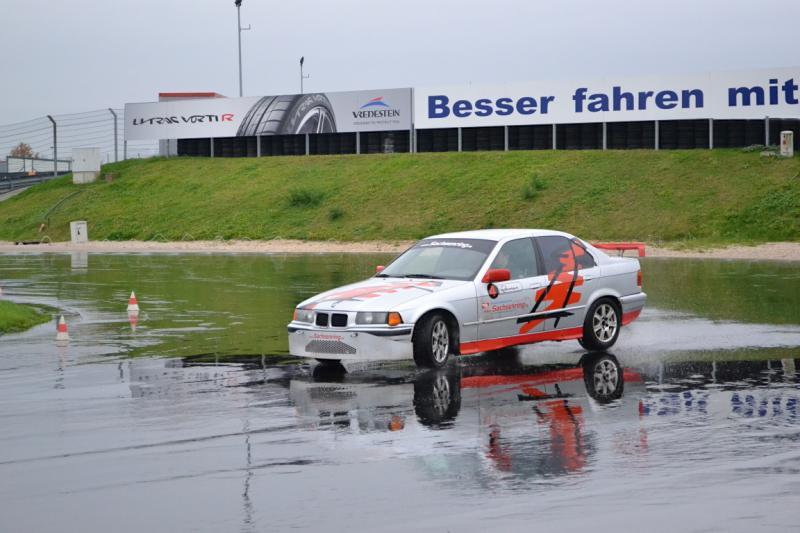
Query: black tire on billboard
289, 115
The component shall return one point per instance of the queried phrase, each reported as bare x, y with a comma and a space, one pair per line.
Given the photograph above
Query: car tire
328, 370
437, 397
601, 325
603, 377
432, 341
289, 115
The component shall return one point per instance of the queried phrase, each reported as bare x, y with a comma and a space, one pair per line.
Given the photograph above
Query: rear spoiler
621, 247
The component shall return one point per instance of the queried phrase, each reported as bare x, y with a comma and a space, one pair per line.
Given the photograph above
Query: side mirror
379, 269
496, 275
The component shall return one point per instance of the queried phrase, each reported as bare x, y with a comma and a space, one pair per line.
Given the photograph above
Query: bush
335, 214
305, 197
531, 189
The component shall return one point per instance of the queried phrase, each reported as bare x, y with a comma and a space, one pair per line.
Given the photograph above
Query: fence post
358, 143
55, 146
657, 137
116, 152
505, 138
308, 148
212, 147
125, 149
711, 134
554, 136
605, 136
766, 131
258, 145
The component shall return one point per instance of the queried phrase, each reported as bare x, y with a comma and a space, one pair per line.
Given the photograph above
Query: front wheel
432, 342
601, 326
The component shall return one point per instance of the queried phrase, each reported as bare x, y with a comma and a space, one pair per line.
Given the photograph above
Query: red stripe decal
495, 344
568, 374
629, 317
544, 378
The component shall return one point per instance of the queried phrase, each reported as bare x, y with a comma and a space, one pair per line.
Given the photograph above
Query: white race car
469, 292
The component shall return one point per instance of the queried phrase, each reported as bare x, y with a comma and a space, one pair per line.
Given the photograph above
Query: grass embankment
17, 317
709, 197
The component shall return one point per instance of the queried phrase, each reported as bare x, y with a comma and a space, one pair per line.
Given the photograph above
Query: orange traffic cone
62, 334
133, 305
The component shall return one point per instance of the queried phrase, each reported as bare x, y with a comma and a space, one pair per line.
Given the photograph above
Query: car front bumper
350, 344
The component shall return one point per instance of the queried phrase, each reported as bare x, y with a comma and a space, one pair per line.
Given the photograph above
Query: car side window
562, 255
582, 256
519, 257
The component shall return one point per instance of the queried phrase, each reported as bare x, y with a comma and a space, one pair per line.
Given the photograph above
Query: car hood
378, 294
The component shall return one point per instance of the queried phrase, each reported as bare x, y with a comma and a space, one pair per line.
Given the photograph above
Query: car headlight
304, 315
371, 318
392, 319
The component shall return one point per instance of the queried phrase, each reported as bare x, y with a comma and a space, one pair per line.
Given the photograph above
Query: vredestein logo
376, 108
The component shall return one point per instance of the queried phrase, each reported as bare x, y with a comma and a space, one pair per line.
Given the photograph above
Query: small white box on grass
79, 231
787, 143
85, 165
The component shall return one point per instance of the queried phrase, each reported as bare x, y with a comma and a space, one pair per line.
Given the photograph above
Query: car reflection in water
534, 422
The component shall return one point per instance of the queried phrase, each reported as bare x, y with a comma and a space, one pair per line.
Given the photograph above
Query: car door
501, 308
571, 271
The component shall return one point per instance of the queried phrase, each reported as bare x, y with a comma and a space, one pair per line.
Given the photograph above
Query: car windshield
441, 259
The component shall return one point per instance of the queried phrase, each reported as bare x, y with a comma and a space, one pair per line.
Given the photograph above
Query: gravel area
782, 251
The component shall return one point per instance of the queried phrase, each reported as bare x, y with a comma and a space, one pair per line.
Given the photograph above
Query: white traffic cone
62, 334
133, 305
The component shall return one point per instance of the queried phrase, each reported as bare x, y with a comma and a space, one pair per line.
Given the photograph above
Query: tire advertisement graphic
289, 115
293, 114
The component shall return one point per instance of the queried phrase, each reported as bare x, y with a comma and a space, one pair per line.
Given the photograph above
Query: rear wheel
603, 376
432, 342
601, 326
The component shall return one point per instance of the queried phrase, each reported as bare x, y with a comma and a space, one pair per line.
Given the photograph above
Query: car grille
331, 347
338, 320
322, 319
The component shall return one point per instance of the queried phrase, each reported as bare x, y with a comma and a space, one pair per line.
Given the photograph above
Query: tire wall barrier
672, 134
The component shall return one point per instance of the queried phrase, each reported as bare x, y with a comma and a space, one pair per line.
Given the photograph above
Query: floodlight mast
238, 4
302, 77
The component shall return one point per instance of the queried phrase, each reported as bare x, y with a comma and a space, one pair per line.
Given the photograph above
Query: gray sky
62, 56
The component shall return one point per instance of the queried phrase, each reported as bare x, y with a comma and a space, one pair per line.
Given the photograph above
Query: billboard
748, 94
336, 112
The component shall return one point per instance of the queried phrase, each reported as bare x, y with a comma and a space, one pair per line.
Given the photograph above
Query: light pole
302, 60
238, 4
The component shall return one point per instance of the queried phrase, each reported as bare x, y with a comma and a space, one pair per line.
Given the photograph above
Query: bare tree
23, 150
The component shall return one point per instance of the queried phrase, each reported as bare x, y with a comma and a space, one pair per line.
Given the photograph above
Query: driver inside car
503, 260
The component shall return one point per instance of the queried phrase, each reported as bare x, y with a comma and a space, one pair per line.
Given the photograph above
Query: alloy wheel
440, 341
604, 322
606, 377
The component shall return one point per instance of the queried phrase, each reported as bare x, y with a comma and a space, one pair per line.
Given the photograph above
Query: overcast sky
62, 56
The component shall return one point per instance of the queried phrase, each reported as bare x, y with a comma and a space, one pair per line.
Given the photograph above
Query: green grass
708, 196
17, 317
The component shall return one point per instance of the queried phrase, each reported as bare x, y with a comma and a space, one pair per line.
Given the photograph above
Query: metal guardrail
7, 185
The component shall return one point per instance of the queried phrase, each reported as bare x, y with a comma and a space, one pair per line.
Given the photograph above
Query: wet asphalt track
197, 420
